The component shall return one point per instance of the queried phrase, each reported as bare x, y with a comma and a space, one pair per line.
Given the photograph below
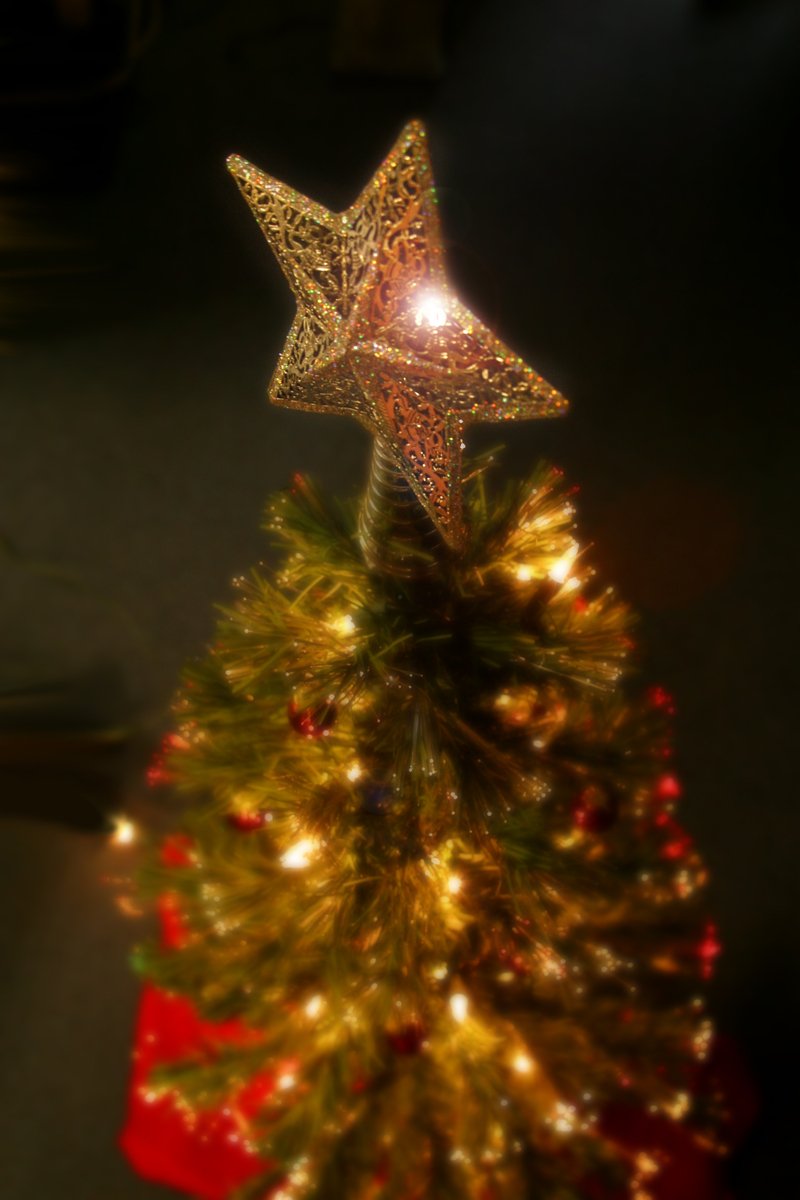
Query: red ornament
679, 842
659, 697
176, 850
677, 849
158, 773
595, 809
246, 822
667, 788
174, 930
709, 949
314, 722
408, 1040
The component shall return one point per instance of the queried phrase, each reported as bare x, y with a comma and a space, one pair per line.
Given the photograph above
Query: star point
379, 335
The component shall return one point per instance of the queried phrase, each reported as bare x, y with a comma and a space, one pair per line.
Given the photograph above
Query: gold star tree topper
379, 334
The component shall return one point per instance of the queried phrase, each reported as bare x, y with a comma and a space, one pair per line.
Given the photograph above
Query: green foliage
462, 803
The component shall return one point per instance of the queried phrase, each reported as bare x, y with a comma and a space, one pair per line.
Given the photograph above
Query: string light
459, 1007
344, 625
522, 1064
561, 568
123, 831
298, 856
564, 1119
524, 573
454, 884
314, 1006
354, 771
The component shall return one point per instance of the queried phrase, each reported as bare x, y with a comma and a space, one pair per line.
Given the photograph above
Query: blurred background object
66, 68
382, 37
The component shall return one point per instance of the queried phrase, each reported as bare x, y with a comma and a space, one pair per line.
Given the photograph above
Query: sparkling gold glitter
378, 333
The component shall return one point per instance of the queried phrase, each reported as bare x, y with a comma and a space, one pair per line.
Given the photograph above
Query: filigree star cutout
378, 332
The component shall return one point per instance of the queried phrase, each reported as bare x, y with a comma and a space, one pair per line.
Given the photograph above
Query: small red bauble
408, 1040
659, 697
595, 810
313, 722
709, 949
667, 788
176, 851
246, 822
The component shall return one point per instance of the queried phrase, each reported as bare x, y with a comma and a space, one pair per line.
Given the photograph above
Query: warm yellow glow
298, 856
314, 1006
439, 971
123, 831
354, 771
522, 1064
646, 1165
678, 1106
344, 624
454, 884
459, 1006
524, 573
559, 572
286, 1081
431, 310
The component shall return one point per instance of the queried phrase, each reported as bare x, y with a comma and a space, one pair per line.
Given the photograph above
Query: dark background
616, 194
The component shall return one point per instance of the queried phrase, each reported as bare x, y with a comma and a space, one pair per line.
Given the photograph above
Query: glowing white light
314, 1006
522, 1064
344, 624
459, 1006
298, 856
561, 568
439, 971
564, 1117
454, 884
431, 310
123, 831
286, 1081
524, 573
354, 771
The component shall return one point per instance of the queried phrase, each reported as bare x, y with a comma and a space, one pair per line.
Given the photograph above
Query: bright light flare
454, 884
431, 310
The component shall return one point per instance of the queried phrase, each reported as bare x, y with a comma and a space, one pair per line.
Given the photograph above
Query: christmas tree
430, 928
